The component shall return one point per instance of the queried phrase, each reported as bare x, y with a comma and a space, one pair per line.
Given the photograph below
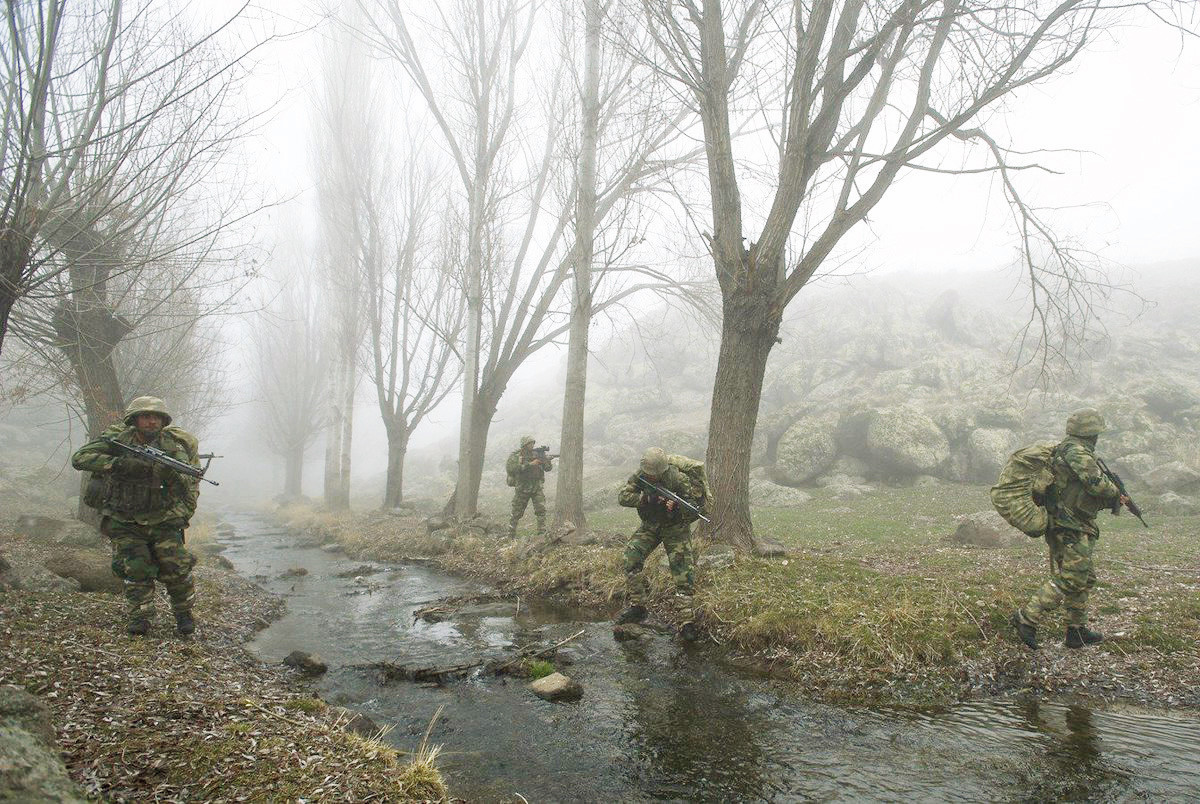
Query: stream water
660, 720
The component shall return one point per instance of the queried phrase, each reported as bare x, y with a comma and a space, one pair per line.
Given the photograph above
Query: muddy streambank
661, 719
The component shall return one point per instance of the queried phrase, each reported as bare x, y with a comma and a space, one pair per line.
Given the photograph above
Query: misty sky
1120, 127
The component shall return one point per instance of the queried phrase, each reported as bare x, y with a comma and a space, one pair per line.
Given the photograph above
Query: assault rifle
544, 454
1116, 480
155, 455
653, 491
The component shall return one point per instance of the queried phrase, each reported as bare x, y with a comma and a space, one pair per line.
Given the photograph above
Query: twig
525, 652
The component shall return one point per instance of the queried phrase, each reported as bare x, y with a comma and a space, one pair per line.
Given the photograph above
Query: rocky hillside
896, 379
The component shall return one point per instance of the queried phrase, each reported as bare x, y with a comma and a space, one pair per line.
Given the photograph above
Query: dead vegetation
170, 719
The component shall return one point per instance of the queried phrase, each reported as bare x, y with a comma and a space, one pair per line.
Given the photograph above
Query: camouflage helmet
527, 441
147, 404
654, 462
1085, 423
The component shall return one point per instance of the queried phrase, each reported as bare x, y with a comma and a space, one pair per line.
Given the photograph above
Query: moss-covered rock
806, 450
905, 441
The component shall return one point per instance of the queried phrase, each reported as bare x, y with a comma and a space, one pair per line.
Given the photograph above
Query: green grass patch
538, 668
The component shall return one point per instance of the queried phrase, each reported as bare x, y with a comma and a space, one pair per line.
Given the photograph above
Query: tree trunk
343, 488
748, 332
334, 431
568, 497
14, 258
293, 472
393, 490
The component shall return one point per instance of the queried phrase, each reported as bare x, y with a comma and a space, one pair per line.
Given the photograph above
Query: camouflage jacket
672, 480
178, 493
529, 474
1081, 490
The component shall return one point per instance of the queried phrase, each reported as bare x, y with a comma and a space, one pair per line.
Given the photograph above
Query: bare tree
853, 92
484, 52
521, 198
114, 122
291, 365
413, 308
347, 154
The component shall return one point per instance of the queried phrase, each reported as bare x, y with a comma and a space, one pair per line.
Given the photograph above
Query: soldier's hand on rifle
131, 467
670, 504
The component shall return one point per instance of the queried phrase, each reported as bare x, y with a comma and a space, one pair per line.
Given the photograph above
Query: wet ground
663, 720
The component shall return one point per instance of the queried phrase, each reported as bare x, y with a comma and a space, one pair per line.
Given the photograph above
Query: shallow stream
660, 720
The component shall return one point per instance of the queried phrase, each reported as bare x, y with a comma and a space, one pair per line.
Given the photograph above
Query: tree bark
293, 472
748, 333
333, 438
568, 497
393, 490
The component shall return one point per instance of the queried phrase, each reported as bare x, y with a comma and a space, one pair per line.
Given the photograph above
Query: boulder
905, 441
988, 449
1167, 399
8, 578
766, 493
627, 632
805, 450
80, 534
294, 572
557, 687
16, 574
986, 529
36, 526
309, 664
1176, 476
1172, 504
30, 766
92, 569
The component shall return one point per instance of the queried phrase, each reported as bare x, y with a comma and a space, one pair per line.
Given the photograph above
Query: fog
1114, 131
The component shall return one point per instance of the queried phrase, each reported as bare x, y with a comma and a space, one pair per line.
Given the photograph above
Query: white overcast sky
1130, 107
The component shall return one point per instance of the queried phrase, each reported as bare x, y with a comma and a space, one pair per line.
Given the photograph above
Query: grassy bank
167, 718
872, 603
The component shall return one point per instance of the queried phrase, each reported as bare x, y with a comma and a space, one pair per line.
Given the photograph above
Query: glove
128, 466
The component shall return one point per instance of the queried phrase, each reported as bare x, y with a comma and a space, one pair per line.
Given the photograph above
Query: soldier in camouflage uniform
662, 521
144, 509
529, 473
1078, 493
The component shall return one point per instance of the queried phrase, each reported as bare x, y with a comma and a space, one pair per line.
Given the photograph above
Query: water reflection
689, 732
663, 721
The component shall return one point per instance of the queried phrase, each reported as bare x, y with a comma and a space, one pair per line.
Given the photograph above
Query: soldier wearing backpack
1079, 491
663, 521
526, 470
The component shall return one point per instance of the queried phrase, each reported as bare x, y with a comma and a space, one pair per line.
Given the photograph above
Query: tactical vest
125, 495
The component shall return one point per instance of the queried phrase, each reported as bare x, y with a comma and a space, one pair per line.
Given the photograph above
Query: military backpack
1021, 493
512, 468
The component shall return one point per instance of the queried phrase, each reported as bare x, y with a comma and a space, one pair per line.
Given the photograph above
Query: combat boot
633, 614
689, 632
1025, 631
1080, 635
138, 627
184, 624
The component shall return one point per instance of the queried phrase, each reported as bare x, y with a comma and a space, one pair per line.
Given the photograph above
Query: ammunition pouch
125, 495
95, 492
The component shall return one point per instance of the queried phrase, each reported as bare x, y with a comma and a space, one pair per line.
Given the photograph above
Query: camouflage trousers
522, 496
142, 554
1071, 579
676, 540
